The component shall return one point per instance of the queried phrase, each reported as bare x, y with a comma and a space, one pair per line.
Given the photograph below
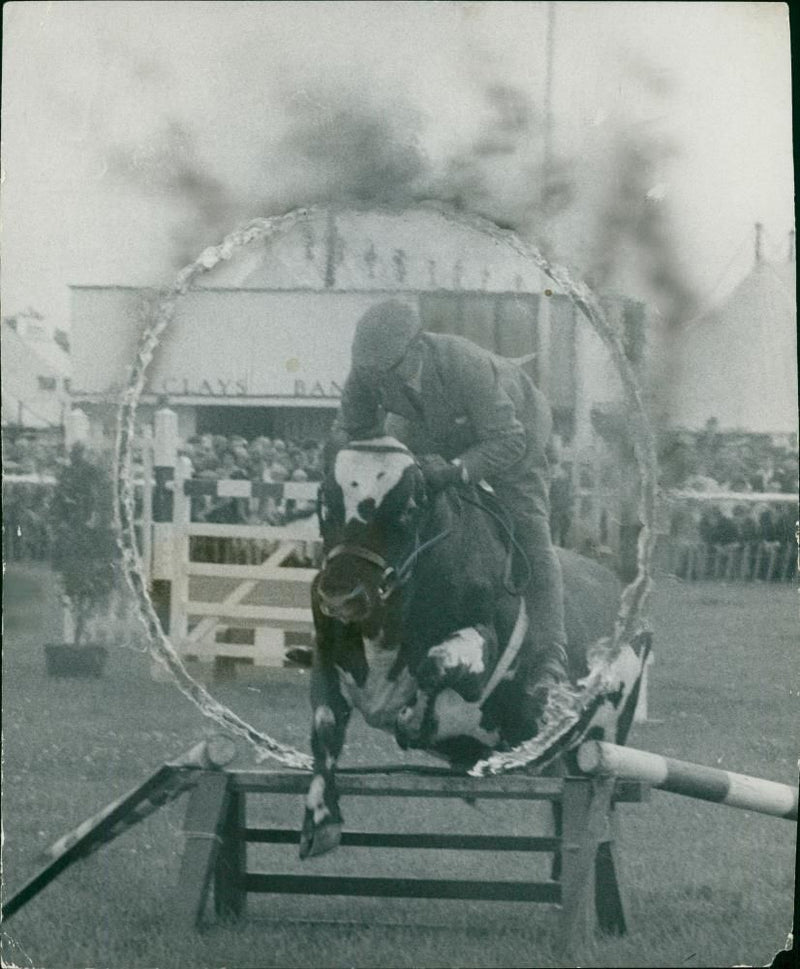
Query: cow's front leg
460, 664
322, 821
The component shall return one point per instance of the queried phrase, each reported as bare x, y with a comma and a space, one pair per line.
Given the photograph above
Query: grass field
708, 885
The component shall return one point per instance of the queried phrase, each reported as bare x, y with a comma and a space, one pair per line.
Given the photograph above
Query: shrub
85, 552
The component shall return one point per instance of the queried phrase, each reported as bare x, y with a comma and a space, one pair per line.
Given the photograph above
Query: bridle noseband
388, 581
391, 578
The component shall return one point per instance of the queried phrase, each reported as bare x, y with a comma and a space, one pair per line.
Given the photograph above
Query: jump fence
584, 877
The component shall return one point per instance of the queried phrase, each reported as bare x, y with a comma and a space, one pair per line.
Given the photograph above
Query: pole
165, 457
548, 107
691, 780
147, 503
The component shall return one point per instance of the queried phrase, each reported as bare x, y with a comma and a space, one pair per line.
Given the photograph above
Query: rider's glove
438, 473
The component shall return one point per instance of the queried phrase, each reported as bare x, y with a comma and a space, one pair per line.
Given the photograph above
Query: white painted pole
179, 595
165, 456
640, 715
147, 503
690, 780
165, 434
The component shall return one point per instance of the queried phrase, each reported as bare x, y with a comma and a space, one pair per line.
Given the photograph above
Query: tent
738, 362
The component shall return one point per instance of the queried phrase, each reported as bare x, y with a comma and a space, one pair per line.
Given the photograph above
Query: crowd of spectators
710, 460
262, 459
735, 541
30, 463
729, 538
26, 520
32, 454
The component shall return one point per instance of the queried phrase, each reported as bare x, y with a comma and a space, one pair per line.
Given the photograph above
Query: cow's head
369, 509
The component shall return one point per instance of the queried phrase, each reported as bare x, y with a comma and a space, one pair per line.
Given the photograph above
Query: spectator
746, 526
716, 528
769, 526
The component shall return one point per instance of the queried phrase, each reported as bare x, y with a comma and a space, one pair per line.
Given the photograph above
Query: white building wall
25, 400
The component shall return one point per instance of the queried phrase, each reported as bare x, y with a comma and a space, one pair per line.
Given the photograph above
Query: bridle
392, 577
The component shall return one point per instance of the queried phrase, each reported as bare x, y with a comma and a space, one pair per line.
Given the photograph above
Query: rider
473, 416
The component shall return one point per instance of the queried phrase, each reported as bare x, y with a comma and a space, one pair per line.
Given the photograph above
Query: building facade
262, 346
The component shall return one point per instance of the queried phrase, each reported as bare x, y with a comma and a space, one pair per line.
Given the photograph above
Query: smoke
169, 167
338, 145
342, 147
635, 236
358, 138
506, 173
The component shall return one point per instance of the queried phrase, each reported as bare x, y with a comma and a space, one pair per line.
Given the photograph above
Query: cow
420, 623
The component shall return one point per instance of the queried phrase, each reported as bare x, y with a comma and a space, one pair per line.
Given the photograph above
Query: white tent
738, 363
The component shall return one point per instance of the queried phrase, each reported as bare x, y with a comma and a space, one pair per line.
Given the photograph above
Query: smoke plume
598, 208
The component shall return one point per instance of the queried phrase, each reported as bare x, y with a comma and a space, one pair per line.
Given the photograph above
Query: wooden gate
227, 593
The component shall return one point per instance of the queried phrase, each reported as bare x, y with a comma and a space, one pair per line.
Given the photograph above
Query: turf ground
708, 885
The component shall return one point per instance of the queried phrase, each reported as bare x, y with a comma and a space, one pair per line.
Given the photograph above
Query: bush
85, 551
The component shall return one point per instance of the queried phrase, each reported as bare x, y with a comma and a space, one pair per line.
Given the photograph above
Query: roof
21, 366
423, 247
44, 349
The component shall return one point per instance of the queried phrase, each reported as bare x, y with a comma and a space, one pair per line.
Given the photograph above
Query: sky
136, 134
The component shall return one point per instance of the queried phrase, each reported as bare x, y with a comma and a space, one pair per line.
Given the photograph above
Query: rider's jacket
469, 403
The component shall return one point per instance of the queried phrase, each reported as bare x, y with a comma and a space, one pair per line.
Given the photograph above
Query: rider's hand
438, 473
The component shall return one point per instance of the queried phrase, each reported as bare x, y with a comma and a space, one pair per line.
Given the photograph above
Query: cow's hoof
317, 839
408, 726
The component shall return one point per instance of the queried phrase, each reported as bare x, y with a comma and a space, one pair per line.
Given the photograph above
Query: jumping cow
419, 620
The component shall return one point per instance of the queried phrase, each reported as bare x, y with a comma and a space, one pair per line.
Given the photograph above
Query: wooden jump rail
584, 847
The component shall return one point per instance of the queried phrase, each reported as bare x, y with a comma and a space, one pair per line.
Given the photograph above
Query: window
47, 383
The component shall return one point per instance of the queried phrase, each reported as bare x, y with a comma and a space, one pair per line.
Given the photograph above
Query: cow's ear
418, 497
330, 508
406, 498
334, 442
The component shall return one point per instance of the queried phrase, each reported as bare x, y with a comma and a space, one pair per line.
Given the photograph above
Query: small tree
85, 552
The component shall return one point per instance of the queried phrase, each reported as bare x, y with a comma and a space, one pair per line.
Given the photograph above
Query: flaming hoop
561, 713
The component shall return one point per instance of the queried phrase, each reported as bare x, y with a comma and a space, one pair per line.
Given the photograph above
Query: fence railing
731, 562
749, 559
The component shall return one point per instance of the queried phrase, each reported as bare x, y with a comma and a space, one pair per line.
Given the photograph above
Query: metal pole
548, 103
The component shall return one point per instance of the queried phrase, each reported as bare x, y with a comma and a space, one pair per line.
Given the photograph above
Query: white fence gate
245, 602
